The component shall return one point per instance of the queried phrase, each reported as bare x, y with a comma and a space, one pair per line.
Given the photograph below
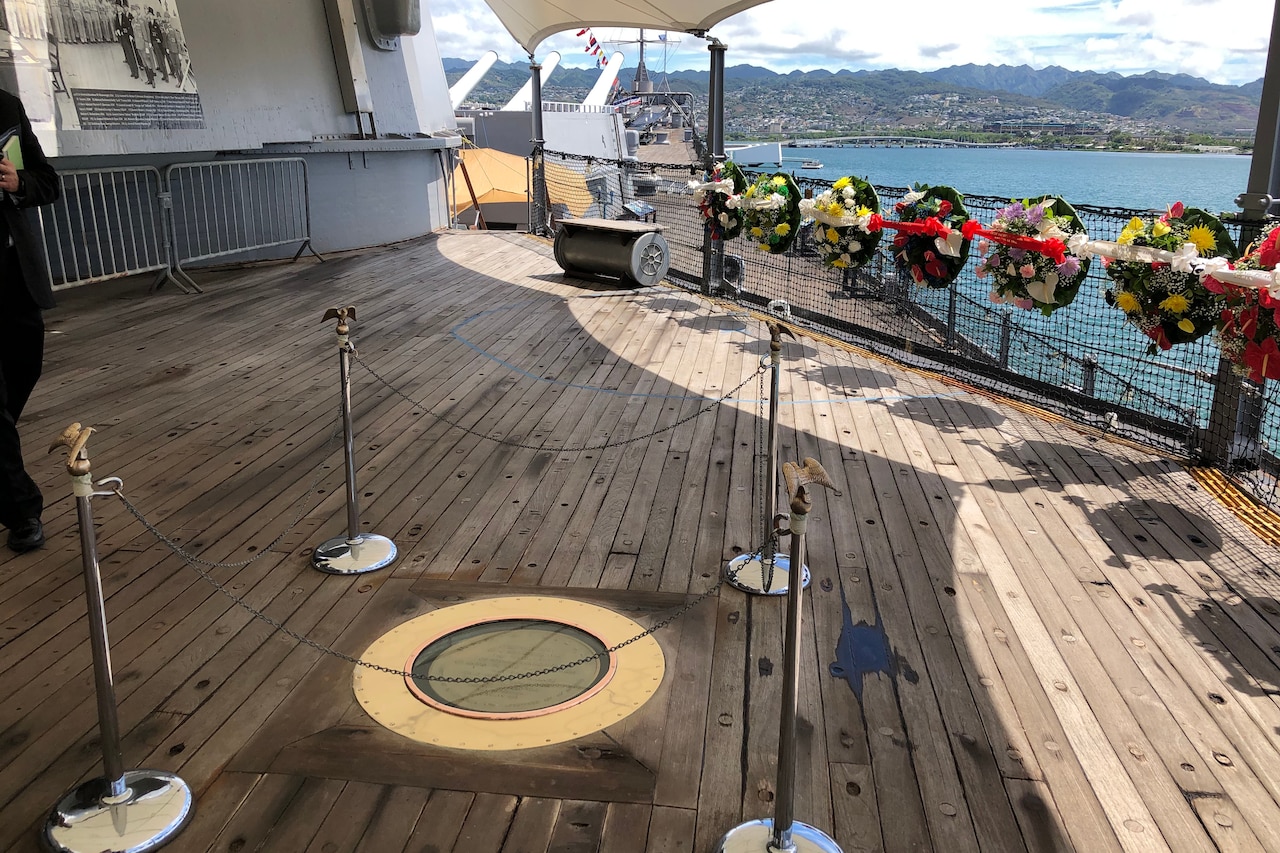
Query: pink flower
1027, 271
1025, 304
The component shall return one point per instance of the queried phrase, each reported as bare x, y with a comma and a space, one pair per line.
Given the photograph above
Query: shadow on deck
1020, 636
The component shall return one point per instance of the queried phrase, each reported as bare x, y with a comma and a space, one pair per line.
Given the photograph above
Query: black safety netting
1085, 362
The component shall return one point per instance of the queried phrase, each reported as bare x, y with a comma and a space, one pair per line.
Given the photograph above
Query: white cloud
1224, 41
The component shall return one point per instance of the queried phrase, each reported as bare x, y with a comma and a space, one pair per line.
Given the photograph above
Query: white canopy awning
531, 21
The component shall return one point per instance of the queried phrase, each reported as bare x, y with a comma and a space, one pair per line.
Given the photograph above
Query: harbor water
1130, 179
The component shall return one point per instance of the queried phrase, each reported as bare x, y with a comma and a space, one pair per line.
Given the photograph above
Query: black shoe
26, 535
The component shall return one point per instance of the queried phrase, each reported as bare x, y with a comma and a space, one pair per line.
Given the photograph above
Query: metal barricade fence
230, 207
107, 224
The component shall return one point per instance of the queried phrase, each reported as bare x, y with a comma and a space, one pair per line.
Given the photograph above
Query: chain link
608, 444
239, 601
200, 564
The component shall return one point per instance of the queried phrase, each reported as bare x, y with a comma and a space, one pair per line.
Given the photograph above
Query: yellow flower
839, 264
1127, 302
836, 209
841, 184
764, 247
864, 211
1175, 304
757, 231
1202, 236
779, 181
1186, 326
1159, 229
1132, 230
833, 235
782, 229
751, 191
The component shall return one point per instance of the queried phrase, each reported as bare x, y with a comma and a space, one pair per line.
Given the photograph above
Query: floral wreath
1025, 253
848, 222
771, 209
929, 245
1164, 300
1250, 321
719, 197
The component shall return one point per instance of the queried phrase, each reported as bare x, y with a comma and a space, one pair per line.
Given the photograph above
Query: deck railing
124, 221
1085, 362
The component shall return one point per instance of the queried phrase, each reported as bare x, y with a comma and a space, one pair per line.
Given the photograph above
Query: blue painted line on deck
457, 334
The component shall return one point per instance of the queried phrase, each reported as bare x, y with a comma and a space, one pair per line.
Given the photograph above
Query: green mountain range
961, 96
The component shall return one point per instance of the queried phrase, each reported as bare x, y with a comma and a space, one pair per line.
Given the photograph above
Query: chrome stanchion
126, 810
767, 573
783, 834
356, 552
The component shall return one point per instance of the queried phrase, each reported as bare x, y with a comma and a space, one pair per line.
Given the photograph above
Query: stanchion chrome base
748, 574
756, 837
343, 556
153, 808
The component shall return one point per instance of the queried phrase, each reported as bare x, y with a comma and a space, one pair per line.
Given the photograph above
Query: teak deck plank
1065, 643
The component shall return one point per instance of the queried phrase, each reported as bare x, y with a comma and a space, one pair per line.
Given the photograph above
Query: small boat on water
811, 164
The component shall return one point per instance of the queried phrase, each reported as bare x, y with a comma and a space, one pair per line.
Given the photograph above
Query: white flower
1042, 291
912, 197
724, 218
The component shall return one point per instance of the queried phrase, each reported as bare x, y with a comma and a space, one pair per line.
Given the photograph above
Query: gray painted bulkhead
269, 79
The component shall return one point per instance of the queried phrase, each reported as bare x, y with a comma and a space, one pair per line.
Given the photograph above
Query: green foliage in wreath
1027, 278
719, 198
772, 212
931, 259
1165, 304
843, 217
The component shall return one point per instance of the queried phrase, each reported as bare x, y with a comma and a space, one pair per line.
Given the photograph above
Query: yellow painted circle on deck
385, 697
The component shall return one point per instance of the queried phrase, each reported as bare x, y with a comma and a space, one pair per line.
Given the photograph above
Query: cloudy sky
1224, 41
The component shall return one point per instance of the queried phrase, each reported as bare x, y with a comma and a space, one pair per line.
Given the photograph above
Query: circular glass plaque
482, 670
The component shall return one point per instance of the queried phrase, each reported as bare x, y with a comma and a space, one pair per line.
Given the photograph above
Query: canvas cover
531, 21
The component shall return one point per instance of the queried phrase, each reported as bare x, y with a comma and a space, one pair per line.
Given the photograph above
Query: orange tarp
500, 177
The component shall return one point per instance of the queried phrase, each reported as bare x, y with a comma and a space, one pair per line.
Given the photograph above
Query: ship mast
642, 82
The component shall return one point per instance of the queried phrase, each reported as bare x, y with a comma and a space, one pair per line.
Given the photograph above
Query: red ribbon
1053, 248
929, 227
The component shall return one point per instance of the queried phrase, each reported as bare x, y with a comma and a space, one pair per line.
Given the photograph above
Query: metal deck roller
635, 252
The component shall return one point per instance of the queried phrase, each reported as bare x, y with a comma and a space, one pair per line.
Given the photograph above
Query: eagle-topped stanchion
356, 552
764, 572
783, 834
133, 810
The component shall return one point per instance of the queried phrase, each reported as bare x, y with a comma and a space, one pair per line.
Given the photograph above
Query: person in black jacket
25, 290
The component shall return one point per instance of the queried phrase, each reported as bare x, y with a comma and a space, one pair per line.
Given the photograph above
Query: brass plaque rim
638, 674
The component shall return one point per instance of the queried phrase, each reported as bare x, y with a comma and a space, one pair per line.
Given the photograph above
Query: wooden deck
1047, 640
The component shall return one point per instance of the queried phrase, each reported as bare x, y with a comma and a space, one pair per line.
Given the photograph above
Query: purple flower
1011, 213
1069, 267
1035, 215
1017, 255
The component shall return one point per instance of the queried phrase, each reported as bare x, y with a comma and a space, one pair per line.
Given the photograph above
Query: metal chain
240, 564
765, 430
608, 444
239, 601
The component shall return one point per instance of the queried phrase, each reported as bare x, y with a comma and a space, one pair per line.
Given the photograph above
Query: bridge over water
892, 141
